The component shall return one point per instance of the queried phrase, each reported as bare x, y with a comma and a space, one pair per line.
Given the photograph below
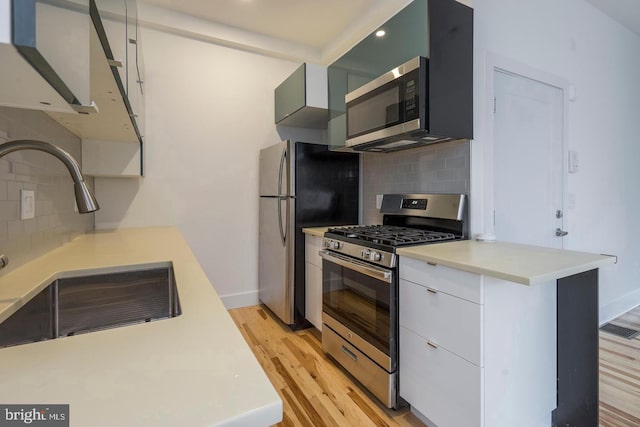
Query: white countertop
528, 265
192, 370
315, 231
319, 231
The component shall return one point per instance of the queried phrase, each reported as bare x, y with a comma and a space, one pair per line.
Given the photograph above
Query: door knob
561, 233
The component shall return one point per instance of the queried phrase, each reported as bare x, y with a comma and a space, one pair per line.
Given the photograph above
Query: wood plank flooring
620, 375
315, 392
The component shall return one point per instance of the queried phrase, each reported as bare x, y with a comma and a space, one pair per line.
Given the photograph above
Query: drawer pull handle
432, 344
431, 290
349, 353
432, 263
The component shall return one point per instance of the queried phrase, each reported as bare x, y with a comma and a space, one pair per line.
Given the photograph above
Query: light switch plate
27, 204
573, 161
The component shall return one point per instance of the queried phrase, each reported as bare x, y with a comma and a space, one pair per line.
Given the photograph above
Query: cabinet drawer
313, 245
444, 279
442, 386
450, 322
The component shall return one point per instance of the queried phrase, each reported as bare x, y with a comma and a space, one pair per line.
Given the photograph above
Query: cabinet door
452, 323
313, 296
313, 280
440, 385
290, 95
313, 245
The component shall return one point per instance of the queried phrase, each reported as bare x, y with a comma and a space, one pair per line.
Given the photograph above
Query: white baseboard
240, 299
619, 306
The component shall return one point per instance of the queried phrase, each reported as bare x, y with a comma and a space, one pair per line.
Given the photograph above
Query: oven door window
359, 302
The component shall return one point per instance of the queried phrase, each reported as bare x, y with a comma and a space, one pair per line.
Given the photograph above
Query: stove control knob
334, 245
366, 253
375, 256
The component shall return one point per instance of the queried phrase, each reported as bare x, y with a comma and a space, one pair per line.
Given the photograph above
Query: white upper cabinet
57, 58
45, 55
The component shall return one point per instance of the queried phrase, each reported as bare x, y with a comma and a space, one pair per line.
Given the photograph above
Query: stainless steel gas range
360, 283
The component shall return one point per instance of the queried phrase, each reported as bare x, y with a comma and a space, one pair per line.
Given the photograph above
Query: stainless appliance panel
275, 268
385, 78
443, 206
275, 170
378, 381
370, 351
365, 306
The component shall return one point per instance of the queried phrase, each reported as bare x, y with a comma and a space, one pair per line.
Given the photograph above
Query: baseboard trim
240, 299
619, 306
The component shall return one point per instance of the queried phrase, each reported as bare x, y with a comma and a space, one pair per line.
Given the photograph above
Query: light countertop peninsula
191, 370
525, 264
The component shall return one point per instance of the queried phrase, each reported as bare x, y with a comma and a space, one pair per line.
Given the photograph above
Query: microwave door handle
375, 272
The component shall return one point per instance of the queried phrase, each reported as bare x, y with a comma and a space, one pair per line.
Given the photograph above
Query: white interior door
528, 161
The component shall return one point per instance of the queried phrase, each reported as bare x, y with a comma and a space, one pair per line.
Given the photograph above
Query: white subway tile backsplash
440, 168
55, 223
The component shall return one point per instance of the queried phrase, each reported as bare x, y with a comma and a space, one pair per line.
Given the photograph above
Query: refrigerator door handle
283, 235
283, 158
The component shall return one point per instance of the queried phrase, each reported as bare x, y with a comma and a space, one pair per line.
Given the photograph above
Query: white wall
209, 112
575, 42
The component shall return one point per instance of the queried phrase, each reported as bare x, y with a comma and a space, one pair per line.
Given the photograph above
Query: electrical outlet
27, 204
378, 201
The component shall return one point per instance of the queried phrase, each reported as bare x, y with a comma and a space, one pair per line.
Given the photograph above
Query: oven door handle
372, 271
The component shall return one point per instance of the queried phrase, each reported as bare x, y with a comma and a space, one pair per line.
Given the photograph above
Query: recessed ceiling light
380, 33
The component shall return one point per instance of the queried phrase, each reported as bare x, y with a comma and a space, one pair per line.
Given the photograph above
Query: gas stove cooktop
390, 235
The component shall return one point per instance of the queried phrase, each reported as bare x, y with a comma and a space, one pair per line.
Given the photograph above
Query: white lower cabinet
313, 280
439, 384
476, 351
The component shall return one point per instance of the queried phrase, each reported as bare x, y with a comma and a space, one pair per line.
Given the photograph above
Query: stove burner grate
392, 235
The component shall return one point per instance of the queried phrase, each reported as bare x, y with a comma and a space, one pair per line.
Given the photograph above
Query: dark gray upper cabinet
301, 100
441, 30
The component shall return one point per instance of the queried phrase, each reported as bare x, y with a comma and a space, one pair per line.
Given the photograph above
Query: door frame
483, 160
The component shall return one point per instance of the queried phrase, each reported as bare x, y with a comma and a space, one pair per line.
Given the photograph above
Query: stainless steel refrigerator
301, 185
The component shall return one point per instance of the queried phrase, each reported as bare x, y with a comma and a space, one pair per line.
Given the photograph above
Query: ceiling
627, 12
316, 25
320, 30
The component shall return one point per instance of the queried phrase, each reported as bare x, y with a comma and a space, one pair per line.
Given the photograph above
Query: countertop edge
529, 280
192, 367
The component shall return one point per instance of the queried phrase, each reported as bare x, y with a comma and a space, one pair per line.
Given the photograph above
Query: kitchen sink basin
83, 304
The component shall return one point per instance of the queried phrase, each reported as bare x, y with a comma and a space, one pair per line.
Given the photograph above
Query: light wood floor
620, 375
316, 392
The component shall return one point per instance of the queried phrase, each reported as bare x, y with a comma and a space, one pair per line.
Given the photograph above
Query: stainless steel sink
89, 303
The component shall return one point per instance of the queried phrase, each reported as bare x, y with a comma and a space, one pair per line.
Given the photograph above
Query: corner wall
55, 221
209, 111
578, 43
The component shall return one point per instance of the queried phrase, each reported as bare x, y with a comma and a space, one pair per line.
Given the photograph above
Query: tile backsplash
55, 221
438, 168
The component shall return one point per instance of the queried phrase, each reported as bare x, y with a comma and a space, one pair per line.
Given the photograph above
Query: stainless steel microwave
391, 113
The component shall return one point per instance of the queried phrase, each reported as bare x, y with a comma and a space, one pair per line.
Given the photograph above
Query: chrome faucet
85, 199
